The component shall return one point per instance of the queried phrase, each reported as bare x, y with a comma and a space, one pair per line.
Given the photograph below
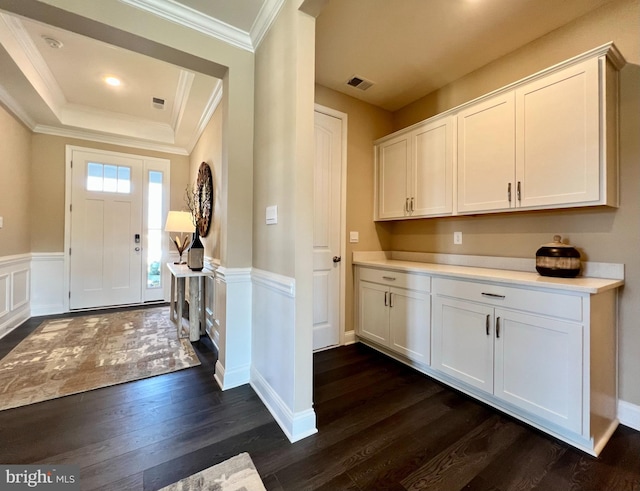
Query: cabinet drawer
552, 304
411, 281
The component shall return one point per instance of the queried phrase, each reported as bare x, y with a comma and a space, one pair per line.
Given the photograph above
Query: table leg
172, 302
203, 305
194, 309
181, 287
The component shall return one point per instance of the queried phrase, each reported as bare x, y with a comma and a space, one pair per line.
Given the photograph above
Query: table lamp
180, 222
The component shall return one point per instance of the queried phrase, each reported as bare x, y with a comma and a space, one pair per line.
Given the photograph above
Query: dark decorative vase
195, 257
558, 259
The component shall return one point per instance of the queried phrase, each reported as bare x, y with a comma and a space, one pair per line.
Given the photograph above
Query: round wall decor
204, 197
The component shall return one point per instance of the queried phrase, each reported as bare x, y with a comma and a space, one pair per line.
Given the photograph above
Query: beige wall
48, 184
365, 124
283, 176
604, 235
209, 150
16, 194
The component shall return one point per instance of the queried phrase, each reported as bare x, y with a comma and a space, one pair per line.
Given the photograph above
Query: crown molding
212, 105
25, 54
267, 15
16, 109
111, 139
185, 81
188, 17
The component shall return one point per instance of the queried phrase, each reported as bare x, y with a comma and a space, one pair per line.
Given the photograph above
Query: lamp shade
179, 221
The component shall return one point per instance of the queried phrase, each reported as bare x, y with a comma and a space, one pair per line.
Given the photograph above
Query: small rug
77, 354
236, 474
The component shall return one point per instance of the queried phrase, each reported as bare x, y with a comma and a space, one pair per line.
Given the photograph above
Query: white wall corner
629, 414
349, 337
295, 426
229, 379
47, 283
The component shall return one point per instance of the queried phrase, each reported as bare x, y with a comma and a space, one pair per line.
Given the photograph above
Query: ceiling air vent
359, 82
157, 103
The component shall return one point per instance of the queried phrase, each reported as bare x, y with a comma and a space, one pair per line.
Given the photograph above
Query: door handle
337, 259
137, 249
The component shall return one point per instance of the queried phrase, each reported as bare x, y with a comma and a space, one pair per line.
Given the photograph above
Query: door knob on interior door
337, 259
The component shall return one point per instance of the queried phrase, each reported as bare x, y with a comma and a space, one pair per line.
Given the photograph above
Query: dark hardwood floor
382, 426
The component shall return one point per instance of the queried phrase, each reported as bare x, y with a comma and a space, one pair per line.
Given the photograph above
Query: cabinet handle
518, 192
509, 192
411, 205
406, 205
390, 299
497, 327
488, 322
390, 278
492, 295
385, 299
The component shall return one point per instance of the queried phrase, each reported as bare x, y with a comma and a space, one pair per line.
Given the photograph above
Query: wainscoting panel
232, 300
47, 283
273, 359
15, 279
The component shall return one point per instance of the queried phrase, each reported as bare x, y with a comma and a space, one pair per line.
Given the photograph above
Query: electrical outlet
457, 238
1, 222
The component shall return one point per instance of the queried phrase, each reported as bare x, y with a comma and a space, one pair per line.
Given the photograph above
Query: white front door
327, 230
106, 230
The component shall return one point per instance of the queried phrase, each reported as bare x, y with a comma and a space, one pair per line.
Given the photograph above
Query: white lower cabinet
532, 362
396, 317
543, 353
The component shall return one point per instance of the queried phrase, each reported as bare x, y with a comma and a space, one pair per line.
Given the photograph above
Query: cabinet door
463, 341
431, 177
558, 157
486, 155
538, 366
374, 312
409, 324
393, 163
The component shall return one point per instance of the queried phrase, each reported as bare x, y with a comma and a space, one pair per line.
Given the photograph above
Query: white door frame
147, 164
343, 214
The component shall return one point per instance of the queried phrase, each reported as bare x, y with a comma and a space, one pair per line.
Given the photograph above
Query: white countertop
579, 284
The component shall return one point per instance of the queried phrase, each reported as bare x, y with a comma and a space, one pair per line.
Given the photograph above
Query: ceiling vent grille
157, 103
359, 82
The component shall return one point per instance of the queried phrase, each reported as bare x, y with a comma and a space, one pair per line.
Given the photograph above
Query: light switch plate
354, 237
272, 215
457, 238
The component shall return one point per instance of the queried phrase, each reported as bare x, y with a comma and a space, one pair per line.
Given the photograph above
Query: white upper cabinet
547, 141
558, 138
486, 155
414, 172
393, 162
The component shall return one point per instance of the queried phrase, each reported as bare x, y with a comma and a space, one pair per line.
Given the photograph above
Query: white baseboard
229, 379
349, 337
629, 414
295, 426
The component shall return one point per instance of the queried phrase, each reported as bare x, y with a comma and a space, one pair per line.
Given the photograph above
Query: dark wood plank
382, 426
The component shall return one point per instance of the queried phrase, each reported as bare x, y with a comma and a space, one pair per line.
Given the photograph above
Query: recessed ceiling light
113, 81
52, 42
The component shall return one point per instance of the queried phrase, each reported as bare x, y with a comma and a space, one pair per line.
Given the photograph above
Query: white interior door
327, 205
106, 216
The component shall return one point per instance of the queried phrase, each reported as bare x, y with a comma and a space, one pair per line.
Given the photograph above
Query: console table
179, 274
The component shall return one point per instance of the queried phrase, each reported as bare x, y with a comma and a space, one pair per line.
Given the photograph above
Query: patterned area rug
236, 474
76, 354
